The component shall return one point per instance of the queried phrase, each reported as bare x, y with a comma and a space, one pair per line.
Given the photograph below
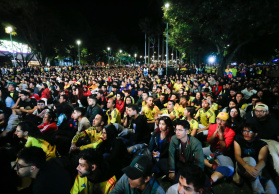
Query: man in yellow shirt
206, 115
150, 110
113, 114
189, 116
177, 85
94, 133
93, 176
170, 111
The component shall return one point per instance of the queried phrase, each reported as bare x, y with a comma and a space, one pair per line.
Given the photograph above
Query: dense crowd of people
88, 129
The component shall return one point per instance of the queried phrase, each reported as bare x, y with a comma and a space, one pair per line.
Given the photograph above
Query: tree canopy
220, 26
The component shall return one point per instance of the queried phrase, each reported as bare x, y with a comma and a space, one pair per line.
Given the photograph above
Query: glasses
260, 111
19, 166
250, 132
234, 111
41, 104
179, 130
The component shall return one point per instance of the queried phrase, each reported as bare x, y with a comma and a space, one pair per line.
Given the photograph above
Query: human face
144, 96
184, 188
186, 112
238, 97
40, 105
150, 101
198, 96
46, 118
83, 168
260, 112
205, 104
11, 88
180, 132
183, 101
173, 97
22, 169
91, 102
233, 113
76, 114
131, 112
221, 123
248, 135
110, 104
232, 93
118, 97
97, 120
162, 125
162, 98
128, 101
23, 97
136, 183
105, 137
61, 99
232, 104
19, 133
170, 106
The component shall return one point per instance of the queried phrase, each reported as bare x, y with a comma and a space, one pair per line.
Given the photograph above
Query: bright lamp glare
9, 29
78, 42
211, 59
167, 5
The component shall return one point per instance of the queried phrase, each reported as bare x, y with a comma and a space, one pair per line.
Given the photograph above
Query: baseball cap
264, 106
141, 166
223, 115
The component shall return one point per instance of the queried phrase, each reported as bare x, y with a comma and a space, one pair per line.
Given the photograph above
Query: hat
141, 166
206, 99
223, 115
264, 106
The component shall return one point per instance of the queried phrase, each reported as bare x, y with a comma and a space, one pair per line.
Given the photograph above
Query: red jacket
216, 90
48, 128
228, 136
120, 106
46, 94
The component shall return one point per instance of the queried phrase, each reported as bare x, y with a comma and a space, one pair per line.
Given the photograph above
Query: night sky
118, 18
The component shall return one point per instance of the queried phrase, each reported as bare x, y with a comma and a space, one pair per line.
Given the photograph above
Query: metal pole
13, 49
145, 50
78, 55
167, 50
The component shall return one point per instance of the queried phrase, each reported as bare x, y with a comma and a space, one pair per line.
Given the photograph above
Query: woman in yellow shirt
34, 137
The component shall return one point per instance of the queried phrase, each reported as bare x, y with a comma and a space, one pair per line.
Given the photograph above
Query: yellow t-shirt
206, 117
94, 136
114, 116
150, 113
173, 113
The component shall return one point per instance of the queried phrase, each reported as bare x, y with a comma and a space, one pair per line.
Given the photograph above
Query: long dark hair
31, 128
170, 129
111, 137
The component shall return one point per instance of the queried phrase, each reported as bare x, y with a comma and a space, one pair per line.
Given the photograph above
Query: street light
78, 43
108, 54
135, 58
10, 30
167, 5
120, 51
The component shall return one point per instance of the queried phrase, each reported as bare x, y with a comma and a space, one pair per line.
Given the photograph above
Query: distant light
228, 45
211, 59
120, 51
108, 48
167, 5
135, 55
78, 42
9, 29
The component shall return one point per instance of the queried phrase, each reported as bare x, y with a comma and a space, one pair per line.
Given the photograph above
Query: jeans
257, 186
226, 167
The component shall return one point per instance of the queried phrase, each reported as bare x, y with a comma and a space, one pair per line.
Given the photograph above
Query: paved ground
225, 187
